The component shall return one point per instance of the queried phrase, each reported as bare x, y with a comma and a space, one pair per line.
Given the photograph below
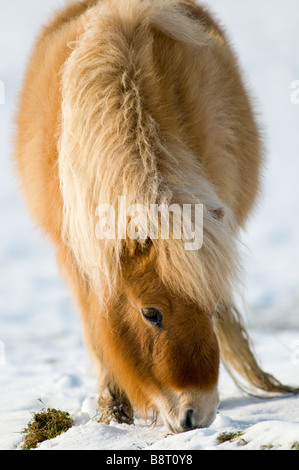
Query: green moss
46, 425
230, 436
242, 442
267, 447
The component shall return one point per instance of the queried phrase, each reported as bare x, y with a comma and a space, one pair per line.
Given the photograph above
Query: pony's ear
135, 248
218, 213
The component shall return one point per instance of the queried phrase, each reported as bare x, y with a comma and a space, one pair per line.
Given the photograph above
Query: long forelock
111, 146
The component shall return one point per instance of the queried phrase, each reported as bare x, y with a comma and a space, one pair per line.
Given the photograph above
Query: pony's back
185, 73
140, 121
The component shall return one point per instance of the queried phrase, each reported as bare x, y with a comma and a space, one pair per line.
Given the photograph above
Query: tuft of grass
230, 436
295, 446
46, 425
242, 442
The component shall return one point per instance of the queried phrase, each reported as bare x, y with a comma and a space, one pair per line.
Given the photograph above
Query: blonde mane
112, 146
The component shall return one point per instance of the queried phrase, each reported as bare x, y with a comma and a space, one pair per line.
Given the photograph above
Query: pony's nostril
187, 422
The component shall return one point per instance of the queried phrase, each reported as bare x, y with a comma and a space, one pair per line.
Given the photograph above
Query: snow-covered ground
41, 350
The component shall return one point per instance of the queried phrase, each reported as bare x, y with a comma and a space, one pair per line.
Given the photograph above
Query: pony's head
162, 347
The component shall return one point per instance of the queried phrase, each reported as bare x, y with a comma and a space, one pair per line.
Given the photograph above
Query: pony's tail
238, 358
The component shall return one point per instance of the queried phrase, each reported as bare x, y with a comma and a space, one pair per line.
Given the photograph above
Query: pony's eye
152, 315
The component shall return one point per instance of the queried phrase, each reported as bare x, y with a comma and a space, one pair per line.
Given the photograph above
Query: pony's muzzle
188, 421
193, 419
189, 411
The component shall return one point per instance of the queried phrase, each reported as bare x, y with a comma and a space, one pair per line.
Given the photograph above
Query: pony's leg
115, 405
113, 402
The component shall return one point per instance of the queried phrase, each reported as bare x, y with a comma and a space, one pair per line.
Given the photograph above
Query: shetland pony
144, 99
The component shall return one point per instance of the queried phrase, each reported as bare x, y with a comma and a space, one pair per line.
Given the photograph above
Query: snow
41, 349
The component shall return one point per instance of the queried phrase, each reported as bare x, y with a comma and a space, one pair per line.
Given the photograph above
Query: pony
145, 100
